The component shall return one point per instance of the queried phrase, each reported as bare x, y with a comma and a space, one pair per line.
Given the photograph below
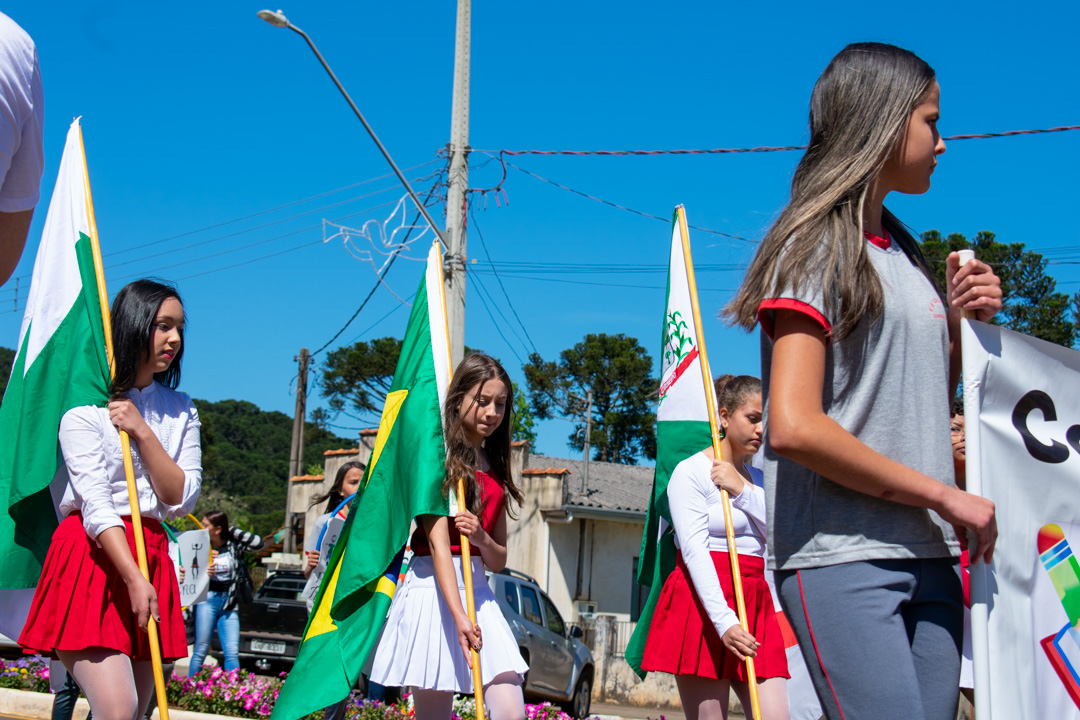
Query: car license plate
278, 648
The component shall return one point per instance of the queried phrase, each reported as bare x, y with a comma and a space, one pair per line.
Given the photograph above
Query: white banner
1026, 446
330, 534
191, 552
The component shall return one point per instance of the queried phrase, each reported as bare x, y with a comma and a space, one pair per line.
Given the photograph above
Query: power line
601, 284
270, 210
761, 149
257, 227
255, 244
6, 290
487, 306
479, 234
627, 209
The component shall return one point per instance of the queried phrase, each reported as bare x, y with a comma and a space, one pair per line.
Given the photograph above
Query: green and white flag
61, 364
404, 479
682, 429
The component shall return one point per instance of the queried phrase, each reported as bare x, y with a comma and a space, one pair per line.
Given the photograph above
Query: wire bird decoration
376, 241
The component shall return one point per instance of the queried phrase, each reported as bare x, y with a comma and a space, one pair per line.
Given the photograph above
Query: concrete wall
609, 578
527, 535
301, 491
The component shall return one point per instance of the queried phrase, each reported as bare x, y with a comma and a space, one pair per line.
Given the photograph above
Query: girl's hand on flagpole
125, 416
966, 511
972, 287
468, 637
469, 525
144, 603
740, 643
726, 477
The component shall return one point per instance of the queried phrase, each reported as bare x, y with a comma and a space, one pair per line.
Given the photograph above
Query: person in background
228, 546
22, 159
959, 450
696, 634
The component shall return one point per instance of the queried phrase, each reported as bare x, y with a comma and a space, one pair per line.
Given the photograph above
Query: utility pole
296, 455
454, 262
588, 433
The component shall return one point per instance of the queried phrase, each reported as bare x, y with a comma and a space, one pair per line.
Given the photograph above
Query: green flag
682, 429
61, 364
404, 479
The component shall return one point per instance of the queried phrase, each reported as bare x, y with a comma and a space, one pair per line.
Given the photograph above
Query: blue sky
209, 135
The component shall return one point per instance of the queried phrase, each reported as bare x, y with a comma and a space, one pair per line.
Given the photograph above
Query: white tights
502, 699
117, 687
707, 699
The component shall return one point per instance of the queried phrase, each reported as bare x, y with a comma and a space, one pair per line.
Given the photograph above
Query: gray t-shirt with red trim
887, 383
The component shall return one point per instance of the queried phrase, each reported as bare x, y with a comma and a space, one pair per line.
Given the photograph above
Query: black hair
133, 313
334, 496
218, 519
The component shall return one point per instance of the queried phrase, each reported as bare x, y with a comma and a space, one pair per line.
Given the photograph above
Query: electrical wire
476, 226
482, 291
628, 209
762, 149
256, 227
270, 210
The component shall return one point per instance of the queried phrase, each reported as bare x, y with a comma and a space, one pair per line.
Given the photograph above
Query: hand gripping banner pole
980, 571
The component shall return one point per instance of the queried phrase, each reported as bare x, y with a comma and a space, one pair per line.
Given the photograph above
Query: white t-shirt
22, 119
697, 512
95, 463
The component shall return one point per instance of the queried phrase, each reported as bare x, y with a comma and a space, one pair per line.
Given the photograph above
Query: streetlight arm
386, 154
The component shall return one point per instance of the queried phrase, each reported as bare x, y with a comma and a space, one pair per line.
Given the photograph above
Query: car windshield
283, 588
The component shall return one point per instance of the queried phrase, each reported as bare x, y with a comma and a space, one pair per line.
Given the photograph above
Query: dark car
272, 624
560, 665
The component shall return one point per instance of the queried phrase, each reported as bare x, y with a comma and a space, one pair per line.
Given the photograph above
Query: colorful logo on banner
1063, 647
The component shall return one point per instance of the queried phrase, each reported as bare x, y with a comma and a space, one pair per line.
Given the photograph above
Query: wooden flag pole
125, 445
466, 559
470, 606
710, 400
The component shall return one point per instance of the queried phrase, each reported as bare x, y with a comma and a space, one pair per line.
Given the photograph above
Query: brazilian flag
404, 479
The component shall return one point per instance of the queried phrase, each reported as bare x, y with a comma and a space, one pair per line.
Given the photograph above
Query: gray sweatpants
881, 638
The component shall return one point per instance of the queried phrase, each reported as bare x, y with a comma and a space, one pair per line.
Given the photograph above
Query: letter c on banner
1055, 452
1072, 436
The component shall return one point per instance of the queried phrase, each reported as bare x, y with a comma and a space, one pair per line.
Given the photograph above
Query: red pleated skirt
82, 602
683, 641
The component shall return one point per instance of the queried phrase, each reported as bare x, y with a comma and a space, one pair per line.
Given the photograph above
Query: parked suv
560, 665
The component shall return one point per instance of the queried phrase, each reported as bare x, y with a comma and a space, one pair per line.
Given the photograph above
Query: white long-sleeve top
697, 512
95, 463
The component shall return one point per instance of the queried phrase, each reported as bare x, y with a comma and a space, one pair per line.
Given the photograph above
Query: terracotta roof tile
306, 478
342, 451
545, 471
611, 485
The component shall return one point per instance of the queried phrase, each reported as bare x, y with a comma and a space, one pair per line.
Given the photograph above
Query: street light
278, 19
